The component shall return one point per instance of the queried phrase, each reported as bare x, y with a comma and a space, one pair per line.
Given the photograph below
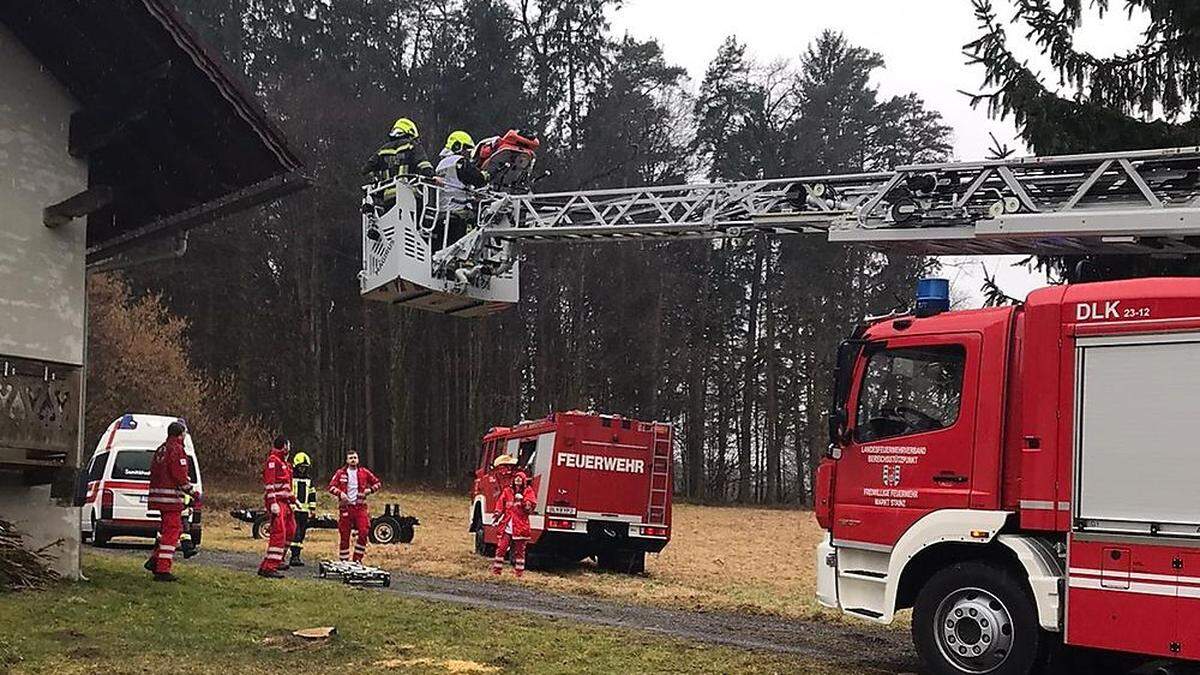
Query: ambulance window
910, 391
96, 468
133, 465
527, 453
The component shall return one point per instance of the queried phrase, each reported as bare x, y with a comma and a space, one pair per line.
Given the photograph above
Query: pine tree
1109, 103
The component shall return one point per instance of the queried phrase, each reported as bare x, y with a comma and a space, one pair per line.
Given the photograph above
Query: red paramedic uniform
512, 526
168, 484
277, 489
353, 514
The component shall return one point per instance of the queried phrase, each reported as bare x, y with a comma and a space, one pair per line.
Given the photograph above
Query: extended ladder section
660, 475
1141, 202
1121, 202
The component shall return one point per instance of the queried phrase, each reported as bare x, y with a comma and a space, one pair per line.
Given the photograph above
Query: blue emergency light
933, 296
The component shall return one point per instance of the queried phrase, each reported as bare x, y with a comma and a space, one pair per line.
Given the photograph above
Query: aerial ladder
1130, 202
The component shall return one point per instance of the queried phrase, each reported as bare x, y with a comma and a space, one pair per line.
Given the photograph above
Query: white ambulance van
116, 482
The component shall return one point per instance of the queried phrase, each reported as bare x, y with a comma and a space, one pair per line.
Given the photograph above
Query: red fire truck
603, 485
1021, 476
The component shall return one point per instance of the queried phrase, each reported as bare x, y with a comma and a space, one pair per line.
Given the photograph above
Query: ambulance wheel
385, 530
974, 618
100, 535
261, 528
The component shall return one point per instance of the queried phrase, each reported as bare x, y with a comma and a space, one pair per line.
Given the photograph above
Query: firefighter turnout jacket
169, 481
398, 157
277, 480
306, 497
339, 485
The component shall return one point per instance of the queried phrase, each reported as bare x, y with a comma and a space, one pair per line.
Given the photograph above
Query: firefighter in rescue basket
351, 484
512, 523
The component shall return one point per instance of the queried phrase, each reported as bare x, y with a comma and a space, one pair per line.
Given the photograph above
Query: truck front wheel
973, 618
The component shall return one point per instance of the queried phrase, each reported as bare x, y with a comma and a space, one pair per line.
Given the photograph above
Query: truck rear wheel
626, 562
974, 619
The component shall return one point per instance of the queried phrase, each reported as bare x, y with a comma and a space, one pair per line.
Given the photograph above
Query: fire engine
1020, 477
603, 485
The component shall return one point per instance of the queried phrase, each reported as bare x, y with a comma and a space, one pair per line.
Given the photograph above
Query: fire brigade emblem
891, 475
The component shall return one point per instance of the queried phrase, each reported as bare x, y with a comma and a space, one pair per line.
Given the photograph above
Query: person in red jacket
351, 484
277, 494
512, 523
169, 483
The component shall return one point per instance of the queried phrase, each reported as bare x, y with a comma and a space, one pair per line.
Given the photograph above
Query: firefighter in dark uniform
401, 155
306, 502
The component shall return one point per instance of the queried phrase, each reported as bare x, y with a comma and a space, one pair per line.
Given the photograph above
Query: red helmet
522, 476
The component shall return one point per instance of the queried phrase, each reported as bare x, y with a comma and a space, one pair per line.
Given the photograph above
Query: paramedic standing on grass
168, 485
277, 493
512, 523
351, 484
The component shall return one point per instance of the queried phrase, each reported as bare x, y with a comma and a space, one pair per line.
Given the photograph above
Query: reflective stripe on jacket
339, 485
306, 496
168, 476
277, 480
512, 510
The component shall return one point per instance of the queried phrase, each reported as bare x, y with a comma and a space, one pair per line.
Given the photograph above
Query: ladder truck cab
603, 485
1021, 476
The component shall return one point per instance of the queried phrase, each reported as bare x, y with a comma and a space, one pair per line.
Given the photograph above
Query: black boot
165, 576
270, 574
296, 561
149, 564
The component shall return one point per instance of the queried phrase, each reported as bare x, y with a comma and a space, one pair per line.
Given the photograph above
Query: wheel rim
384, 534
974, 630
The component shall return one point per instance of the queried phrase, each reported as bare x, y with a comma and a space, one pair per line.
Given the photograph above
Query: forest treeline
731, 340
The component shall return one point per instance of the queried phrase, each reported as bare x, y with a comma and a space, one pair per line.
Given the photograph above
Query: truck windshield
135, 465
910, 390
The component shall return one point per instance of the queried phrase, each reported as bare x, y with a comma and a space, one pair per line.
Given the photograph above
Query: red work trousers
283, 528
503, 540
353, 517
169, 531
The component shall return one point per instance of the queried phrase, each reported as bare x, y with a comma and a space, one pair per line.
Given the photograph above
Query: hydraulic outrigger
1141, 202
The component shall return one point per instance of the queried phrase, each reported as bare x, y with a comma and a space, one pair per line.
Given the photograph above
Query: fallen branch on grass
21, 568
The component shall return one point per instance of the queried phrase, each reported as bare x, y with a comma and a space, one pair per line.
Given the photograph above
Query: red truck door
912, 430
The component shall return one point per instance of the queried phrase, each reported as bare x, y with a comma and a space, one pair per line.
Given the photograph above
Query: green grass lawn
216, 621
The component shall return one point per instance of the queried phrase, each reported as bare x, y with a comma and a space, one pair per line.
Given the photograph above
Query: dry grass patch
739, 559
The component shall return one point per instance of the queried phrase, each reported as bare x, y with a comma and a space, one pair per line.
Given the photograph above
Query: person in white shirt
351, 484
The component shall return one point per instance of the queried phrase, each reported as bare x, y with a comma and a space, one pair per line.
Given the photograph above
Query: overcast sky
920, 40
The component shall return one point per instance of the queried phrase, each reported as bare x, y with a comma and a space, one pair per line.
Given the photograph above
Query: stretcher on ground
353, 574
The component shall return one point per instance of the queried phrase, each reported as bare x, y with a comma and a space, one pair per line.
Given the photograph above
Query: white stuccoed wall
42, 271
